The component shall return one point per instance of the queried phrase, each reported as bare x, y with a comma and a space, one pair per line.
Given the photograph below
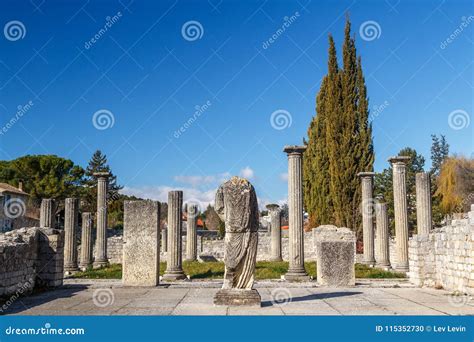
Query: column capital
272, 206
101, 174
294, 149
366, 174
399, 159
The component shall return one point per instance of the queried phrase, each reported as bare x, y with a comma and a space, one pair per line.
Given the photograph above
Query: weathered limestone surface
236, 204
71, 212
423, 203
101, 238
335, 256
141, 250
164, 240
174, 265
30, 258
383, 252
275, 232
367, 179
86, 241
296, 271
401, 213
47, 218
191, 232
444, 257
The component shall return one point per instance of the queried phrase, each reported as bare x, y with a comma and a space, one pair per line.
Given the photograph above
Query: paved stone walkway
95, 297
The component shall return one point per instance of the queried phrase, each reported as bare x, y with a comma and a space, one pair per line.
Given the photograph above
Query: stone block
335, 263
141, 249
237, 297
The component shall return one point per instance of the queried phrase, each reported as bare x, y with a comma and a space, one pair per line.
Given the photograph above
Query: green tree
384, 186
43, 176
439, 153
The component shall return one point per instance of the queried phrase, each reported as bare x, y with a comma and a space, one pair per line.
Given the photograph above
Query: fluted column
275, 232
367, 207
383, 252
164, 239
101, 239
86, 241
174, 268
47, 219
423, 203
296, 271
70, 228
401, 213
191, 232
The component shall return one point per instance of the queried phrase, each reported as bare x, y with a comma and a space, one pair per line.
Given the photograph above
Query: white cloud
202, 180
247, 172
284, 176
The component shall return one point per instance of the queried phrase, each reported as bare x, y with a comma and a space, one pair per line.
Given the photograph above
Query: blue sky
158, 63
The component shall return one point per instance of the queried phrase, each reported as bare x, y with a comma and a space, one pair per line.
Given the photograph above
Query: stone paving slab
109, 297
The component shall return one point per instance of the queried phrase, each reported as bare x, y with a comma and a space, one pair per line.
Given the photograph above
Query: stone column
70, 229
174, 268
296, 271
275, 232
367, 207
401, 213
47, 219
383, 252
101, 259
423, 203
164, 239
191, 232
86, 241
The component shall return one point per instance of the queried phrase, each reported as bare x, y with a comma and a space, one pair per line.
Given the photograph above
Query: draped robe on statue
236, 204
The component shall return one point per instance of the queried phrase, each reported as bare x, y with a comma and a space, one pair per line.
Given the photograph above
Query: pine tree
98, 163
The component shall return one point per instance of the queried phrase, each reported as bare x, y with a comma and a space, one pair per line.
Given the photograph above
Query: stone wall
445, 257
30, 258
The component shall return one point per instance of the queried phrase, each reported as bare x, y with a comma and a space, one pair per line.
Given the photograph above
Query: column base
174, 275
101, 263
69, 269
370, 263
297, 276
237, 297
385, 265
84, 267
401, 268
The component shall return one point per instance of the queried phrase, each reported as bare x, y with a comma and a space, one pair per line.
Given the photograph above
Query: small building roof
4, 187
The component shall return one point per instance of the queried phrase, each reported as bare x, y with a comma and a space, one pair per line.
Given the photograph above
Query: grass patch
215, 270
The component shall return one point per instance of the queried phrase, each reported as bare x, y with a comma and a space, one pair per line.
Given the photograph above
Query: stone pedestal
101, 259
174, 268
296, 271
236, 297
423, 203
383, 252
275, 232
164, 239
335, 256
141, 252
86, 241
401, 213
191, 232
367, 207
47, 219
70, 230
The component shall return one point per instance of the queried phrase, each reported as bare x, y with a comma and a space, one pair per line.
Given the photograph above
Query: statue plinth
237, 297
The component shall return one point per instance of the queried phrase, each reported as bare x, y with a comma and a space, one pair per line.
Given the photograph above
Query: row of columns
71, 212
423, 205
